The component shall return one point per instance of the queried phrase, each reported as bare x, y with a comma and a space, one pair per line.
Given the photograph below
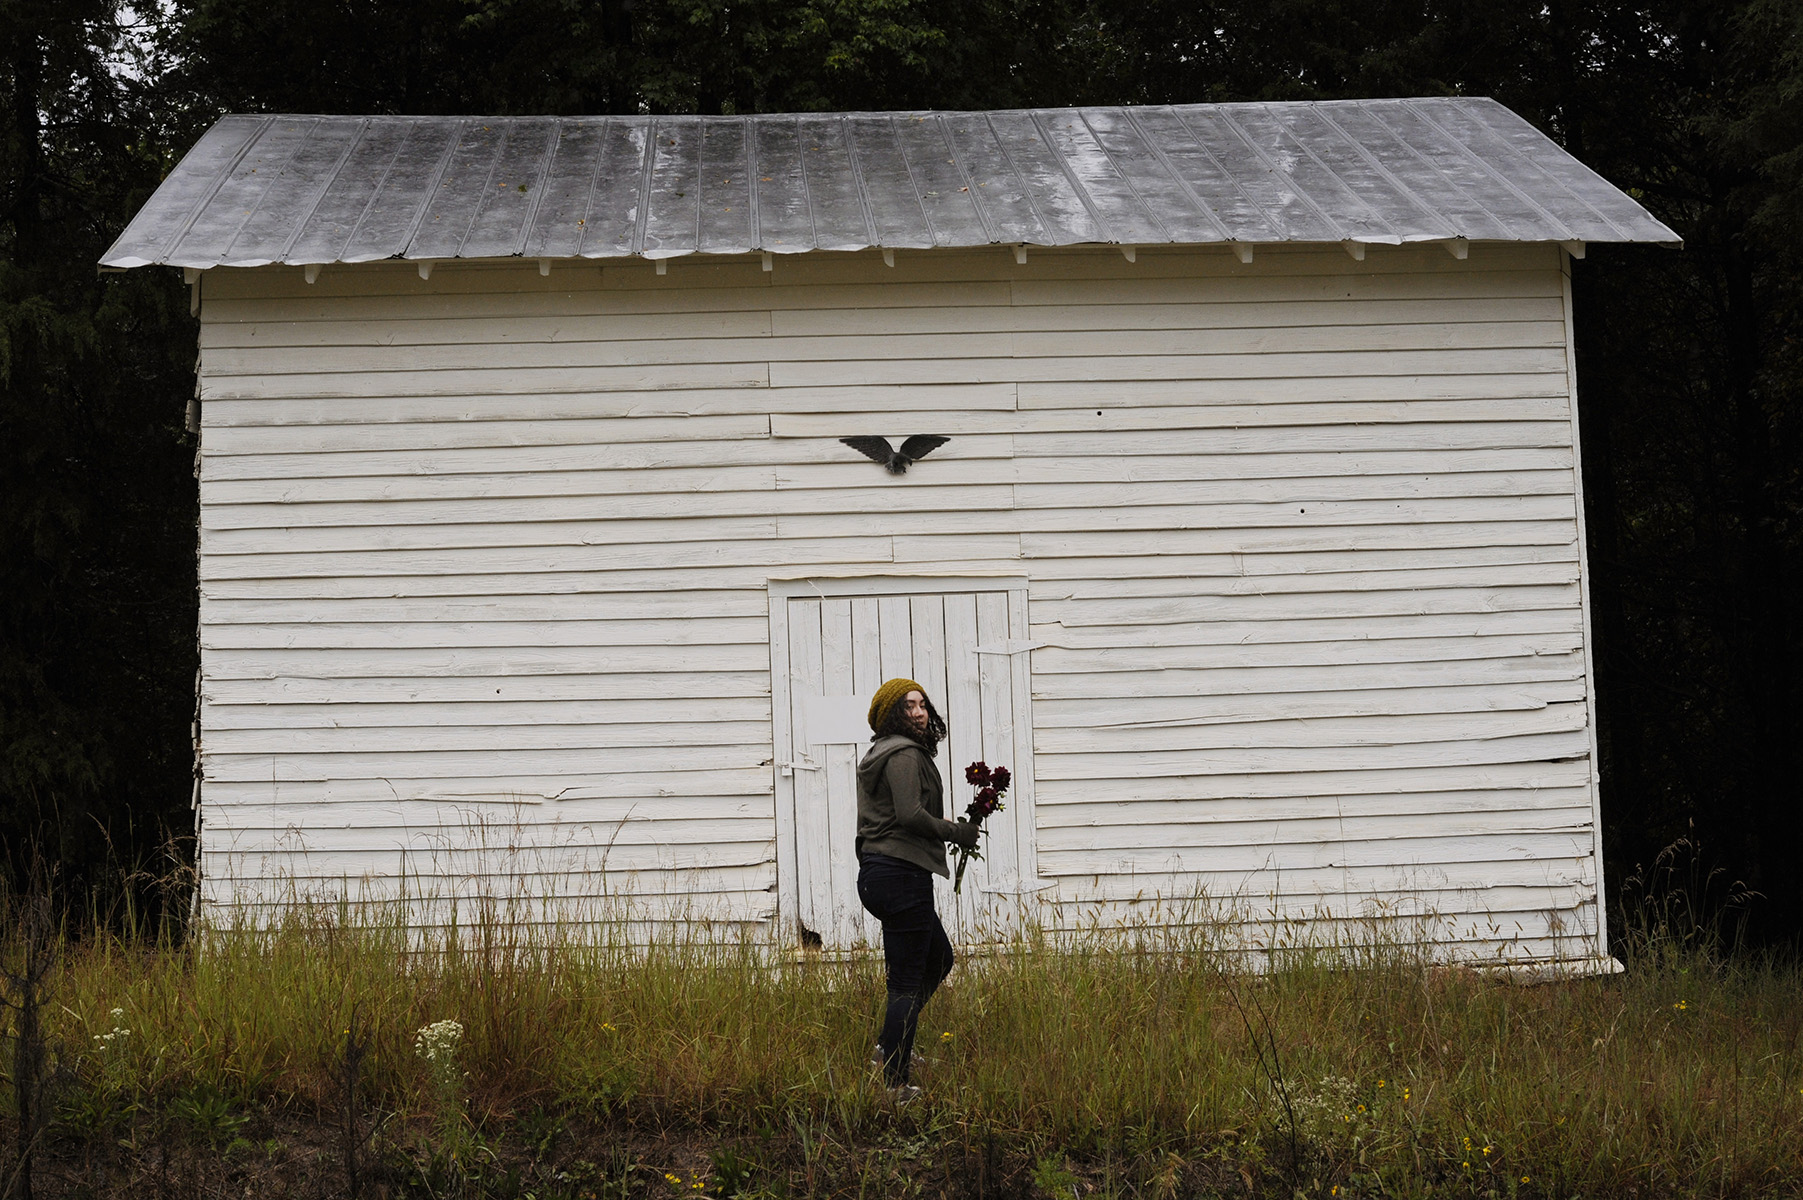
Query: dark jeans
915, 948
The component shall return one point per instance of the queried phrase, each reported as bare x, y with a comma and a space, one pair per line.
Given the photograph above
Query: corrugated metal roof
323, 189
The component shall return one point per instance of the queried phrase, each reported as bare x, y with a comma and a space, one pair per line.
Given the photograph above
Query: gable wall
483, 563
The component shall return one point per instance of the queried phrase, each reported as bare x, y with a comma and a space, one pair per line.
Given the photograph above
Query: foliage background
1690, 364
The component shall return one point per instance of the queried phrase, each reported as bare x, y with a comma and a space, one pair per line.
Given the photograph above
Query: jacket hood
881, 750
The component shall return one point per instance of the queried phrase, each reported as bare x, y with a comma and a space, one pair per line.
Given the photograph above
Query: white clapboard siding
484, 562
829, 489
489, 712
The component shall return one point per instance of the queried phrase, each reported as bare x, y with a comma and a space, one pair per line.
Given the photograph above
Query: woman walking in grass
902, 833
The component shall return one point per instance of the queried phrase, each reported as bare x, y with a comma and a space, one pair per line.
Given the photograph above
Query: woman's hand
963, 834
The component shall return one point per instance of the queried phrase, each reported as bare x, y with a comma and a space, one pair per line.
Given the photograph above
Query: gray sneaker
916, 1058
903, 1094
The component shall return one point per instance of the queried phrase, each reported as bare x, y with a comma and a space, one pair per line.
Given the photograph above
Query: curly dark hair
928, 738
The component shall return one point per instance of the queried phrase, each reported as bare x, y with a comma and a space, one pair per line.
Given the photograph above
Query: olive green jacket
901, 805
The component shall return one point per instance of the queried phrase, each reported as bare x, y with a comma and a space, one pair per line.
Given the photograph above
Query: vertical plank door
838, 651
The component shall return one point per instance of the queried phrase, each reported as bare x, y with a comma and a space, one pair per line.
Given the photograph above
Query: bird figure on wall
914, 449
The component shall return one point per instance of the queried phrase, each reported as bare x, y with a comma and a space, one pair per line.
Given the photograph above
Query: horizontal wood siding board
874, 318
1107, 664
319, 767
988, 463
1300, 539
604, 739
937, 497
1191, 578
1292, 427
643, 877
1328, 781
805, 514
1154, 572
1420, 807
1362, 840
539, 786
1504, 748
869, 403
1162, 714
1269, 519
667, 346
627, 686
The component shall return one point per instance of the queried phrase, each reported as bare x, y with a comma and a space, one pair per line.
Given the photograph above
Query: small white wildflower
437, 1043
117, 1032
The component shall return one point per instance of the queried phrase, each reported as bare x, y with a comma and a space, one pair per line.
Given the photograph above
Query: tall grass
1099, 1061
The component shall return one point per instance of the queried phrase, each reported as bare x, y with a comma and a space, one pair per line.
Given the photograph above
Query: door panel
839, 650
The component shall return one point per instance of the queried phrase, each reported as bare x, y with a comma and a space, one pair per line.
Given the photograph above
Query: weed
204, 1112
1081, 1061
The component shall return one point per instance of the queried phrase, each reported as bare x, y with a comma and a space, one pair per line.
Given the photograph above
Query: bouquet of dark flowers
991, 785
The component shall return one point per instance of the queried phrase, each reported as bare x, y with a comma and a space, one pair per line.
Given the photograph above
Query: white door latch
802, 764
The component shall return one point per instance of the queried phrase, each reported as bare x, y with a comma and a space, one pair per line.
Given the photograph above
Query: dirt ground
544, 1156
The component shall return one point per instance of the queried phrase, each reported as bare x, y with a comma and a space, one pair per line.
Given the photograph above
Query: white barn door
830, 652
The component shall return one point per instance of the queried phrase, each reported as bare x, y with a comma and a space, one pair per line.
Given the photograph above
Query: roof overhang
314, 190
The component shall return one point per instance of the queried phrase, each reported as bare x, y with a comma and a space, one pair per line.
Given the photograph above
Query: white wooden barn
531, 561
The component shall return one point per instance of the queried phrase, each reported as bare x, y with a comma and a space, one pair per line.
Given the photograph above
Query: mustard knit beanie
887, 697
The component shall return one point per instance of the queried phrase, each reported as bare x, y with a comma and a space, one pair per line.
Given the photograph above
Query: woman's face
914, 707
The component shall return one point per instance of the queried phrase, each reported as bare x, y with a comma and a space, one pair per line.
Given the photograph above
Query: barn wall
483, 563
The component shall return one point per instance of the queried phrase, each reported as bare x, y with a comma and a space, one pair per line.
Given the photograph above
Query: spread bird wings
920, 445
877, 449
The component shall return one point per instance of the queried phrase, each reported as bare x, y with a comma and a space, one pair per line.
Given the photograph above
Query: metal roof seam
1557, 181
1458, 144
1339, 179
1240, 132
369, 204
425, 205
1251, 201
857, 177
319, 194
1127, 179
970, 185
207, 197
529, 222
807, 191
1164, 160
1395, 181
1008, 157
1070, 176
1414, 151
604, 126
484, 196
645, 174
700, 180
263, 195
920, 199
1026, 191
752, 213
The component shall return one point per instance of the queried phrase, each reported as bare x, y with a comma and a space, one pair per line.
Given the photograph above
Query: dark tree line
1690, 363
